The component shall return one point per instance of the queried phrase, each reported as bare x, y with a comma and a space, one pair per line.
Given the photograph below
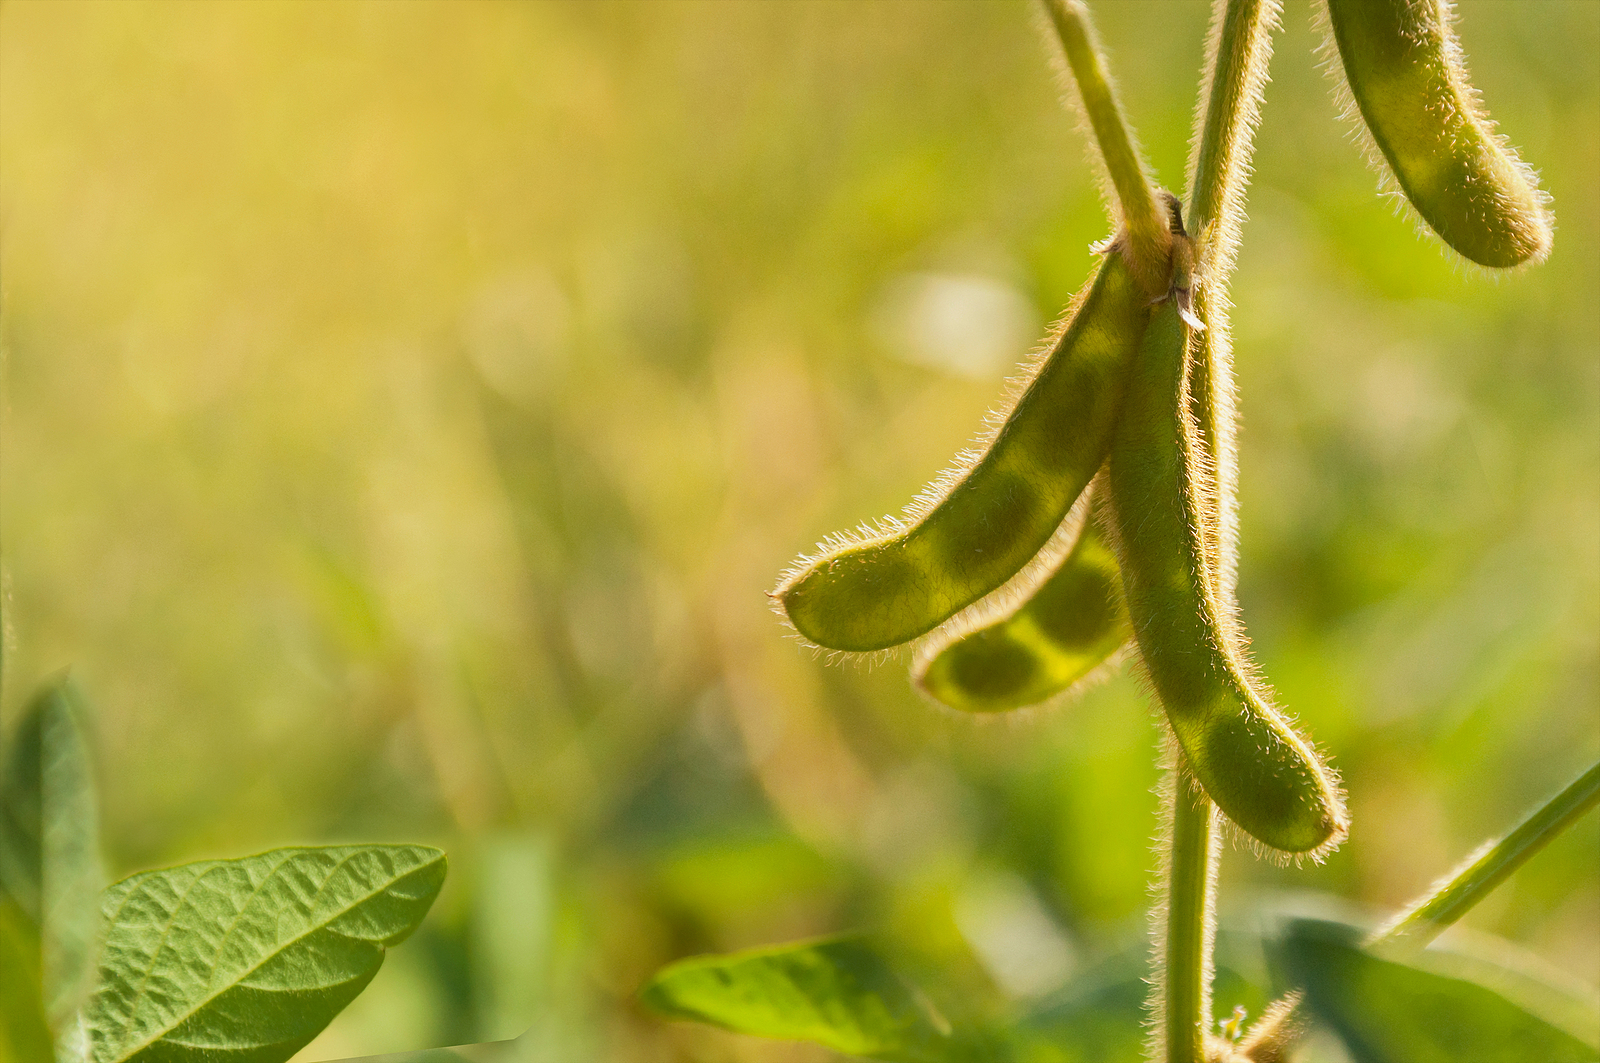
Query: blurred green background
408, 404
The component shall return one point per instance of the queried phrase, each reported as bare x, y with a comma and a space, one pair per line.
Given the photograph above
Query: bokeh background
408, 404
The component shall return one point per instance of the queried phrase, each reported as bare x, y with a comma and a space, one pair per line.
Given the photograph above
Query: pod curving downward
980, 524
1262, 775
1074, 623
1405, 73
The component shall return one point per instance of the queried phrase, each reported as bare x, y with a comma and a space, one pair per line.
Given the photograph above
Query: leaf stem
1191, 899
1486, 869
1142, 213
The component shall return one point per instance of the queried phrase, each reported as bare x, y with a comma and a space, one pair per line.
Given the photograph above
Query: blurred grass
407, 405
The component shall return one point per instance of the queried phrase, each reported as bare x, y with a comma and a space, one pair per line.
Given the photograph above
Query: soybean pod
1074, 623
980, 524
1261, 774
1405, 72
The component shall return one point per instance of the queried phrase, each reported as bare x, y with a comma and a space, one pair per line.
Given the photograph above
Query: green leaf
50, 844
837, 992
515, 1050
1102, 1015
1389, 1012
247, 960
24, 1034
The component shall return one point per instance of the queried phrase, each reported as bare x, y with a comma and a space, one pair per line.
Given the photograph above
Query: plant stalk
1191, 900
1486, 869
1142, 214
1238, 48
1237, 51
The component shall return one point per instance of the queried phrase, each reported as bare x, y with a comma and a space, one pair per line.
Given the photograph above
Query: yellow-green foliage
1074, 623
980, 524
1261, 774
1407, 79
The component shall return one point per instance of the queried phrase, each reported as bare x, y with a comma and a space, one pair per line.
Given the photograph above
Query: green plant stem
1236, 62
1143, 215
1485, 870
1191, 897
1238, 48
1237, 53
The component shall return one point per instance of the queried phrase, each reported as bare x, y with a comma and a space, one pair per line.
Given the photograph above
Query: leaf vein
191, 1011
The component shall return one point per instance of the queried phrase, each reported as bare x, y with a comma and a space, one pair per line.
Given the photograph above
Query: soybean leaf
50, 844
838, 992
1391, 1012
247, 960
24, 1034
1102, 1014
515, 1050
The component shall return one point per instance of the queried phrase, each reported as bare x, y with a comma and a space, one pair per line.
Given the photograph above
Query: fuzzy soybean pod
1074, 623
1261, 774
1406, 76
980, 525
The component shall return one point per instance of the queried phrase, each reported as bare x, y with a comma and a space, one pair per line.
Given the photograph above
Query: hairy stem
1427, 918
1237, 51
1191, 898
1142, 214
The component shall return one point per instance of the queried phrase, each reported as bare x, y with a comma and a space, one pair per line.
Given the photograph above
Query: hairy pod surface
1074, 623
1261, 774
979, 526
1405, 72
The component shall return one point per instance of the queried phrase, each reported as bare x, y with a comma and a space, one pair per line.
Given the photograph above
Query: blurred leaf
512, 912
718, 876
839, 993
247, 960
423, 1055
50, 844
513, 1051
1100, 1016
1390, 1012
24, 1034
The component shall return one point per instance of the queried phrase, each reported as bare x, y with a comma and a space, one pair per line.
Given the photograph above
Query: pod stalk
1238, 48
1144, 220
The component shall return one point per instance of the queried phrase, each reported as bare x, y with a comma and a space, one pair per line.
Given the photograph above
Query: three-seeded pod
979, 525
1072, 625
1261, 774
1406, 76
